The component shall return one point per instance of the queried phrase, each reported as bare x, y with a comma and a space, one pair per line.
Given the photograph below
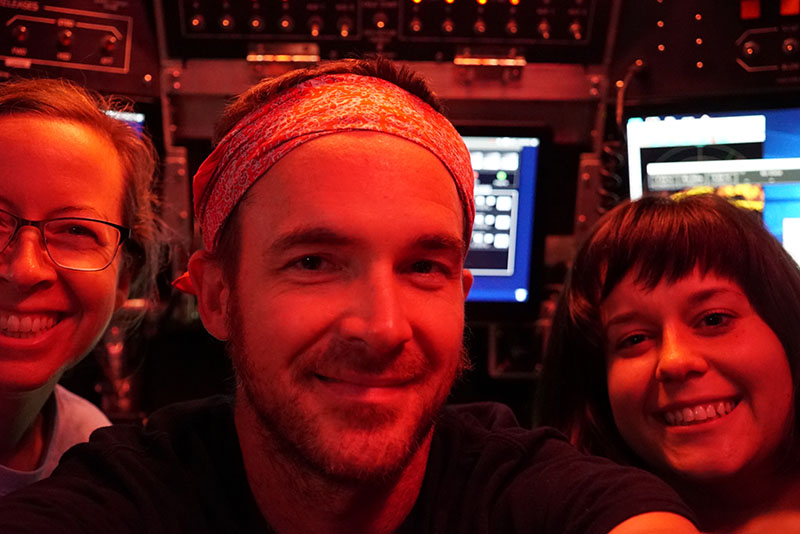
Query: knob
479, 27
415, 25
380, 20
315, 26
512, 28
448, 26
750, 49
344, 25
226, 22
20, 33
197, 22
789, 46
256, 23
576, 30
64, 38
544, 29
286, 23
108, 45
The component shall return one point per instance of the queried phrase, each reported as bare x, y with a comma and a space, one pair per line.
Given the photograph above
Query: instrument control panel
536, 30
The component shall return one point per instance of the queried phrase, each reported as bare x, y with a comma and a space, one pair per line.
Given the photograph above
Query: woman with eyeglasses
676, 347
78, 235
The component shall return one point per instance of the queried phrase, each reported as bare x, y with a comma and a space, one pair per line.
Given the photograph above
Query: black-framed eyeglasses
72, 243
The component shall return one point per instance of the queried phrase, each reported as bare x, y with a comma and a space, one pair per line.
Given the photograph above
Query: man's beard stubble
295, 435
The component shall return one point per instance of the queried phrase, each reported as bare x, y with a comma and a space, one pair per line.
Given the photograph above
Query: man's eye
310, 263
423, 266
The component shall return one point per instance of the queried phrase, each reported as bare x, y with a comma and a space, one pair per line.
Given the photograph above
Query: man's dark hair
228, 246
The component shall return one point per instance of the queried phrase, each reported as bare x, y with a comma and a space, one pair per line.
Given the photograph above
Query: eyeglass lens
71, 243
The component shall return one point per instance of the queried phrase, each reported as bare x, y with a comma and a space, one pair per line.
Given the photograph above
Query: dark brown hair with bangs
657, 238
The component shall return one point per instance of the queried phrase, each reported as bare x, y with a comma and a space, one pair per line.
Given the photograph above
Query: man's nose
679, 357
377, 316
25, 262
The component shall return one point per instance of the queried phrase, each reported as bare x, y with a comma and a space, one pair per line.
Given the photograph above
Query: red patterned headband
321, 106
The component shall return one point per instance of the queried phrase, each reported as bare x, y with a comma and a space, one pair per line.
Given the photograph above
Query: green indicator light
502, 176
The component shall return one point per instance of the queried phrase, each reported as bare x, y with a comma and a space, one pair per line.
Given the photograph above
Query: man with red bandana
336, 212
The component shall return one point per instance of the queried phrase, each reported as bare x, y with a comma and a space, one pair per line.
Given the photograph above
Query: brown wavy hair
63, 100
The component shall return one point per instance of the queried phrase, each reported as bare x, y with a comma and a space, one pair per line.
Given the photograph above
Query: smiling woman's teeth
14, 325
698, 414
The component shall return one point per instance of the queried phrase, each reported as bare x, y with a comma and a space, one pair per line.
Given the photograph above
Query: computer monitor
751, 156
503, 253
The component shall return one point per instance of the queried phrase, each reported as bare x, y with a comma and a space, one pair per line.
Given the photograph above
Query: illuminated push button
197, 22
64, 38
790, 7
544, 29
226, 22
502, 222
502, 241
503, 203
20, 33
286, 23
108, 45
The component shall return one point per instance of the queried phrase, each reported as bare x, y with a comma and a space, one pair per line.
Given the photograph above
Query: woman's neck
762, 504
22, 428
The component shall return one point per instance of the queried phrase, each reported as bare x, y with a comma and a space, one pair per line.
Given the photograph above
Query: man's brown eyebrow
436, 242
309, 236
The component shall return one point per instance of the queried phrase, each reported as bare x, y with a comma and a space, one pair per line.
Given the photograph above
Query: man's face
345, 316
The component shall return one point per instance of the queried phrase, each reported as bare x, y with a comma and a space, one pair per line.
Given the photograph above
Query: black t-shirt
184, 473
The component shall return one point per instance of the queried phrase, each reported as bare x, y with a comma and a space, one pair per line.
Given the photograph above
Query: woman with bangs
78, 236
675, 347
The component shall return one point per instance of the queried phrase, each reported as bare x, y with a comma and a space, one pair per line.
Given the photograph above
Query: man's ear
466, 282
212, 291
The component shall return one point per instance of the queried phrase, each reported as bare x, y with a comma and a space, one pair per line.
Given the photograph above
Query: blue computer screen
499, 256
750, 156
